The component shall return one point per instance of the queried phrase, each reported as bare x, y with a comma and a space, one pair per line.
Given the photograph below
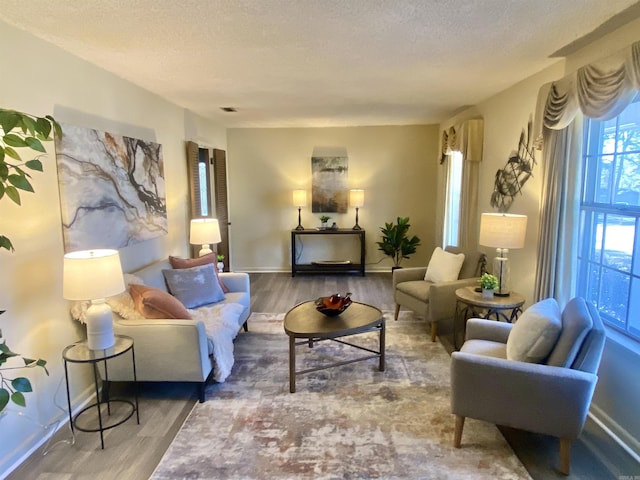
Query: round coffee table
470, 303
304, 321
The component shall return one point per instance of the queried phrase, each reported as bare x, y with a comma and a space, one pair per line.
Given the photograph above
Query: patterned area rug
348, 422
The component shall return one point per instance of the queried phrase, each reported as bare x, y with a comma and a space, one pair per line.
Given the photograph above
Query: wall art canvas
111, 189
329, 186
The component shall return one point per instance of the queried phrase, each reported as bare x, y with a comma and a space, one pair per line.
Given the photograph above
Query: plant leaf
28, 123
34, 164
14, 140
8, 120
35, 144
21, 182
5, 242
12, 153
18, 399
13, 194
22, 384
56, 125
4, 398
43, 127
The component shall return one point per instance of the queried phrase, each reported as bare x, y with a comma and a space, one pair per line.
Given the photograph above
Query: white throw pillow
535, 333
194, 286
444, 266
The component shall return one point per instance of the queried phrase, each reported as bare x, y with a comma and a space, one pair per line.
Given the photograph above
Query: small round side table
80, 353
471, 304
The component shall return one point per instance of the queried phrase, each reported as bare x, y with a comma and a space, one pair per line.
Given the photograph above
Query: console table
327, 266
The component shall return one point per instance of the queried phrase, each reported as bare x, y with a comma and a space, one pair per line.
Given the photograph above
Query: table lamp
356, 199
502, 231
299, 201
204, 231
94, 275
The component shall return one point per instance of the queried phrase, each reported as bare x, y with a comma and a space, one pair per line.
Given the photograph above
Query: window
452, 200
609, 248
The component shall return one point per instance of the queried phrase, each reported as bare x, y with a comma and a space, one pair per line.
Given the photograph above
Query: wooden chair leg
457, 436
434, 331
395, 317
565, 455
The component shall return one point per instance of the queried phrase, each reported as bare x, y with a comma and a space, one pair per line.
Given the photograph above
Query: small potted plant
488, 283
323, 221
220, 264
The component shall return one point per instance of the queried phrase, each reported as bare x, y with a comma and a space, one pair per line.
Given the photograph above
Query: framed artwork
329, 186
111, 189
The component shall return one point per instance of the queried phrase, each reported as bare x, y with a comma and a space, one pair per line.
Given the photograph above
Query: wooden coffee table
304, 321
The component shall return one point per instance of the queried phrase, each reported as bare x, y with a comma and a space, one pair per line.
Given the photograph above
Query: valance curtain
601, 91
467, 138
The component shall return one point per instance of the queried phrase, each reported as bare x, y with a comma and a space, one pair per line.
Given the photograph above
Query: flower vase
220, 266
487, 293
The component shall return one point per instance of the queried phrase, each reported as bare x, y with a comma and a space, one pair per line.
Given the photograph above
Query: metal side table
80, 353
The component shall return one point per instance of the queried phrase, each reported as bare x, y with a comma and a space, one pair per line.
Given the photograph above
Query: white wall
41, 79
396, 167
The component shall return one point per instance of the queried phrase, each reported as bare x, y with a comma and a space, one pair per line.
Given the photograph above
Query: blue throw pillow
194, 286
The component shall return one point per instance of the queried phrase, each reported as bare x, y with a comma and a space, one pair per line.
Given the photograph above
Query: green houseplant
13, 389
21, 148
488, 283
396, 242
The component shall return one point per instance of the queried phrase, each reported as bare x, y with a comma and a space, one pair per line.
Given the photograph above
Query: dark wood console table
327, 266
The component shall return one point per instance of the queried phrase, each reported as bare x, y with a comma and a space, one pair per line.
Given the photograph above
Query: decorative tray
333, 305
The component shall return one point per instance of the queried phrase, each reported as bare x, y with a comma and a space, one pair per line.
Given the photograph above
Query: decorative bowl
333, 305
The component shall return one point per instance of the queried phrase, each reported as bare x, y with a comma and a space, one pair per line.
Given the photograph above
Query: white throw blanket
221, 324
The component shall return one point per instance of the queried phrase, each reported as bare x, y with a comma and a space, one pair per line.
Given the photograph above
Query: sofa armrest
166, 350
236, 281
408, 274
481, 329
535, 397
442, 298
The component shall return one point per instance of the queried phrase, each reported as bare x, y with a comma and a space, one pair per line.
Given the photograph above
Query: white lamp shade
356, 198
92, 274
299, 198
501, 230
204, 231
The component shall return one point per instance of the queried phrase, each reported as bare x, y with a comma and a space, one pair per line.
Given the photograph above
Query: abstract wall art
111, 189
329, 186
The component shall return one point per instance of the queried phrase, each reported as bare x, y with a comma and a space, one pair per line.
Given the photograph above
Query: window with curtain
609, 238
451, 234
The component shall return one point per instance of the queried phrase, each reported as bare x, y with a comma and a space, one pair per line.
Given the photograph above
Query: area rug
348, 422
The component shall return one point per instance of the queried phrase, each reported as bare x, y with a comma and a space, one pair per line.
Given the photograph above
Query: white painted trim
628, 444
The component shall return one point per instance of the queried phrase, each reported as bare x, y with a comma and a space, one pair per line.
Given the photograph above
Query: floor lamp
502, 231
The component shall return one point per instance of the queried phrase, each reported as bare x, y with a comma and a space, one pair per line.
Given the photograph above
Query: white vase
487, 293
220, 266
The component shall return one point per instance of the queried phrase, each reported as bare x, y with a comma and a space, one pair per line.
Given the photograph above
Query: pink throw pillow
154, 303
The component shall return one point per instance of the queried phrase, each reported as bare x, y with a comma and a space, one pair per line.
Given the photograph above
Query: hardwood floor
132, 451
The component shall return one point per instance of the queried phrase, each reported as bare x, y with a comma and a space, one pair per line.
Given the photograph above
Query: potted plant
220, 264
488, 283
396, 242
323, 221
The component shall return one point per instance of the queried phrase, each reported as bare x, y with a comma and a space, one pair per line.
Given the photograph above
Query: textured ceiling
294, 63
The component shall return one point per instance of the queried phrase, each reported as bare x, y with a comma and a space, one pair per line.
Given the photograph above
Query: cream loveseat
179, 350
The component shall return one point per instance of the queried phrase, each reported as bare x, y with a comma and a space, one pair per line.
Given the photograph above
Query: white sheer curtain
467, 139
601, 90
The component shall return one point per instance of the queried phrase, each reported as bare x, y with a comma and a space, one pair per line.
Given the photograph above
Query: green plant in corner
21, 134
13, 389
396, 242
220, 258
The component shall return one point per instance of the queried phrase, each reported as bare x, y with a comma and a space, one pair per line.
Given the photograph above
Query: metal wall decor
510, 180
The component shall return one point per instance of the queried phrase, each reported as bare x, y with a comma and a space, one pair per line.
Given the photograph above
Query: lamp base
99, 325
205, 250
501, 269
